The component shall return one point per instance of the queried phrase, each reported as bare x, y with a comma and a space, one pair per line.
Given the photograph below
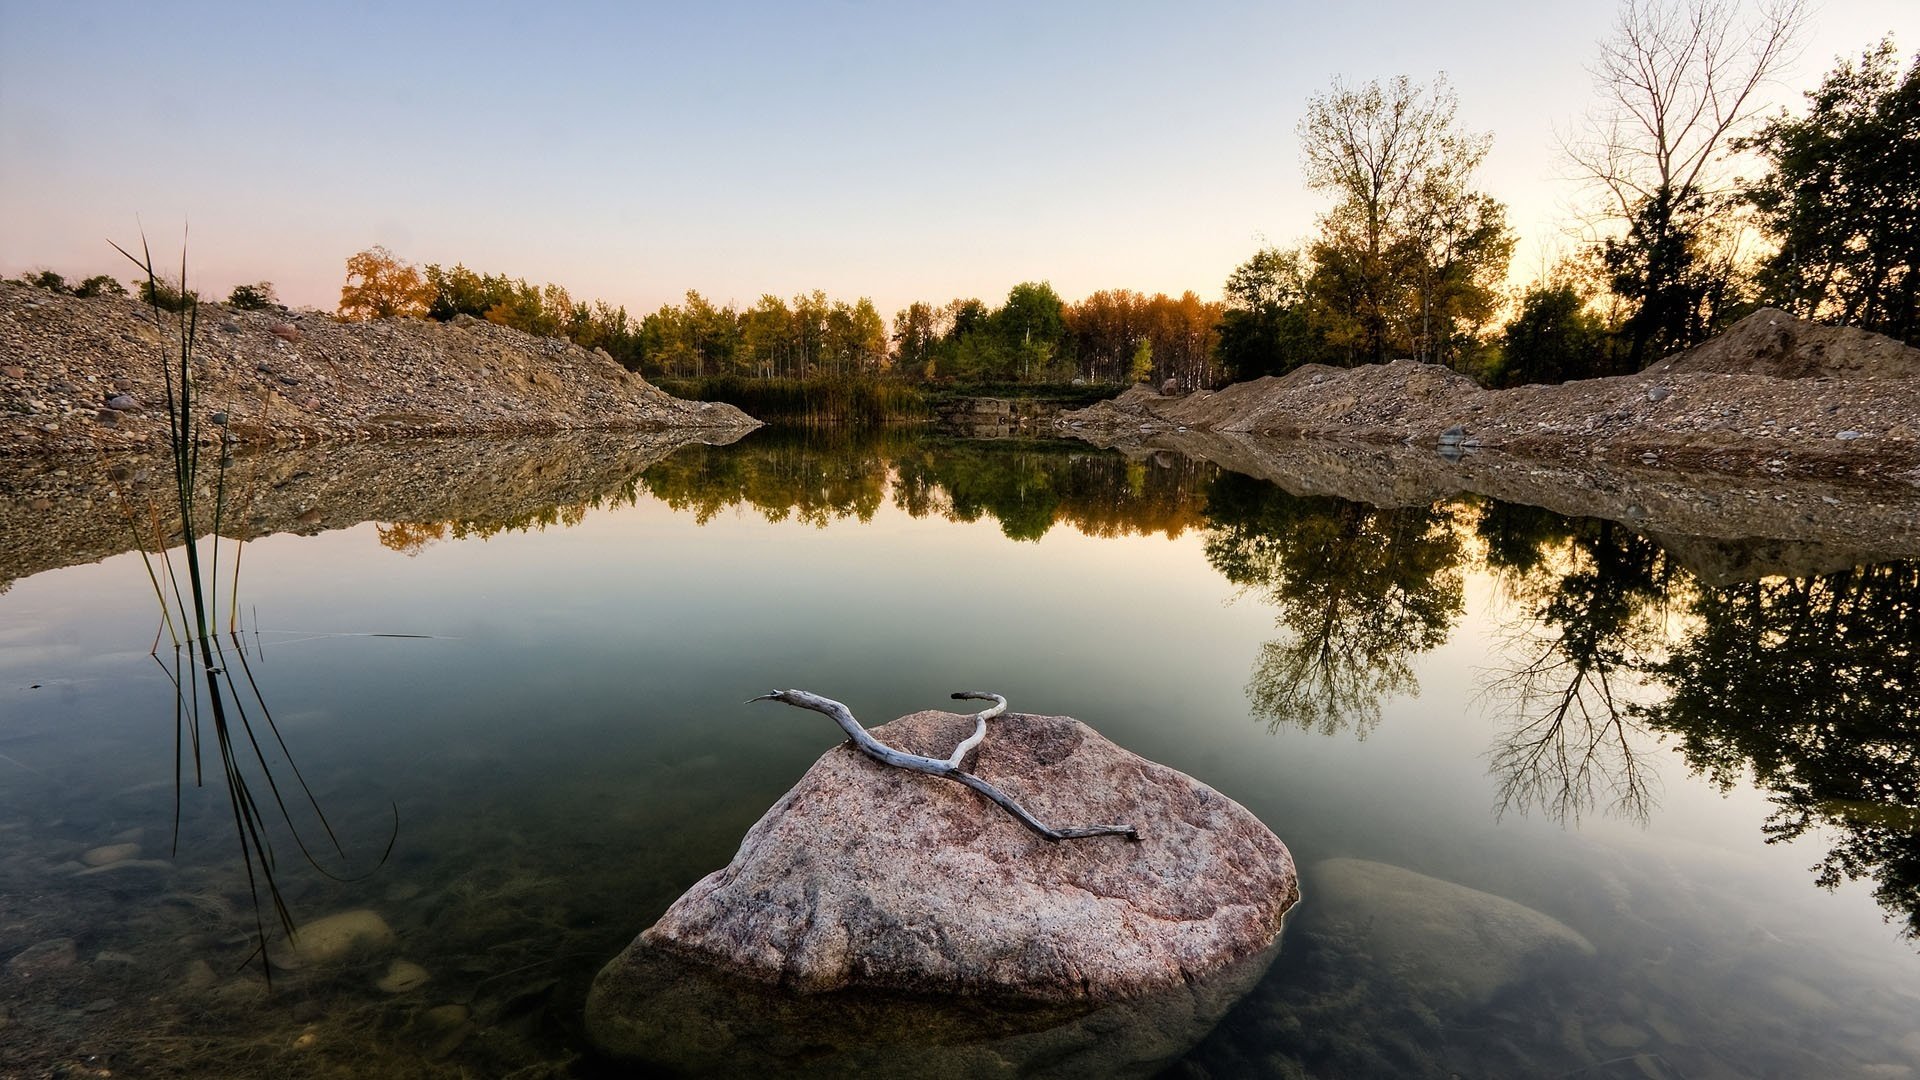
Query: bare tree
1678, 80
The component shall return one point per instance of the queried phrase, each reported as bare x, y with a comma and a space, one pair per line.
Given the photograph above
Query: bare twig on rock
949, 767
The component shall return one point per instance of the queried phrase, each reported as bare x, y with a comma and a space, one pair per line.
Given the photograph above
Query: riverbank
1773, 397
82, 375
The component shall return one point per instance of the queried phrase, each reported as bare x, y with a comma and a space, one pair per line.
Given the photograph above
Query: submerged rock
47, 957
335, 937
870, 878
1444, 942
694, 1019
110, 853
402, 976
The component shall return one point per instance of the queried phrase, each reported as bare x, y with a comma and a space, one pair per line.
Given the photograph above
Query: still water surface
1555, 712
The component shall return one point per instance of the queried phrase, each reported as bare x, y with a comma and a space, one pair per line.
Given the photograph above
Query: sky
634, 151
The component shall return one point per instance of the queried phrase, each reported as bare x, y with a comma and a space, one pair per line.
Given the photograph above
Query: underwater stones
110, 853
693, 1019
335, 937
43, 959
402, 976
869, 877
1444, 942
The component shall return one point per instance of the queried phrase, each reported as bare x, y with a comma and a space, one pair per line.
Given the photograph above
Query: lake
1677, 776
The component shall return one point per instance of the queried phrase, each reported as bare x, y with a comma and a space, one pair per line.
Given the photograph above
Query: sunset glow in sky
632, 152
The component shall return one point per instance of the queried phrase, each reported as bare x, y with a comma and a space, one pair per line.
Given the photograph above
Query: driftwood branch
950, 767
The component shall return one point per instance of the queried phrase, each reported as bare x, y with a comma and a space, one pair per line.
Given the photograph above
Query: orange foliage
380, 286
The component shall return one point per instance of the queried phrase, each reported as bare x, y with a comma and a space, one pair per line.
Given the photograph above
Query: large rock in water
1446, 943
866, 878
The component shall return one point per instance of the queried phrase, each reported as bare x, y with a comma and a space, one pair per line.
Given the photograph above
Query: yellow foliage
380, 286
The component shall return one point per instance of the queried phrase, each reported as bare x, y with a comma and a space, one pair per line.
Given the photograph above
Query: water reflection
1810, 686
1610, 638
1027, 486
538, 837
1362, 590
1590, 598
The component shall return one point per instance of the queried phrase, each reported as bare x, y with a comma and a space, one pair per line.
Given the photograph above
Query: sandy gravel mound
86, 374
1772, 396
1773, 343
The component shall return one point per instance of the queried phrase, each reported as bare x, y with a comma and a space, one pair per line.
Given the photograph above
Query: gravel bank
83, 375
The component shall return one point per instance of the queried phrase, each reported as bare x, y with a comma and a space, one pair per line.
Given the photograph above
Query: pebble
12, 372
402, 976
110, 853
1847, 436
1658, 393
122, 402
445, 1016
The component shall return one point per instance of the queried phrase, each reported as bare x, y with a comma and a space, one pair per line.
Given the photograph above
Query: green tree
258, 296
1265, 326
1843, 198
1409, 252
1032, 324
1553, 338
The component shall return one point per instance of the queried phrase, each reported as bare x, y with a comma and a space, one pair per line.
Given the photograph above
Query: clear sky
634, 151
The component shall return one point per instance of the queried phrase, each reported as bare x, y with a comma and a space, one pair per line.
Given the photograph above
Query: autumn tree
1677, 82
1409, 253
1843, 198
380, 286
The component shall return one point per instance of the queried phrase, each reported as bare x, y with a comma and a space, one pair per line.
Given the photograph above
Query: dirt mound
1773, 343
1773, 396
86, 374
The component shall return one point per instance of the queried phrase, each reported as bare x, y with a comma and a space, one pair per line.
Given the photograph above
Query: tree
165, 295
1677, 82
1409, 250
258, 296
380, 286
1359, 591
1032, 324
1554, 338
916, 333
99, 285
1264, 327
1843, 198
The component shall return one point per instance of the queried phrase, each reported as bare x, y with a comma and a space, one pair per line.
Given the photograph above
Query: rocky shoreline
86, 375
1774, 397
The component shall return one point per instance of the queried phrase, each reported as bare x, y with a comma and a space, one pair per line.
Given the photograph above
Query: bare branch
949, 767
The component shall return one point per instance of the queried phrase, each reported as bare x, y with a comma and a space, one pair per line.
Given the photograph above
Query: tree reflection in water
1809, 685
1592, 596
1361, 591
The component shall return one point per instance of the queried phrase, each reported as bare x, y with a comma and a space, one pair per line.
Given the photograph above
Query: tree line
1697, 211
